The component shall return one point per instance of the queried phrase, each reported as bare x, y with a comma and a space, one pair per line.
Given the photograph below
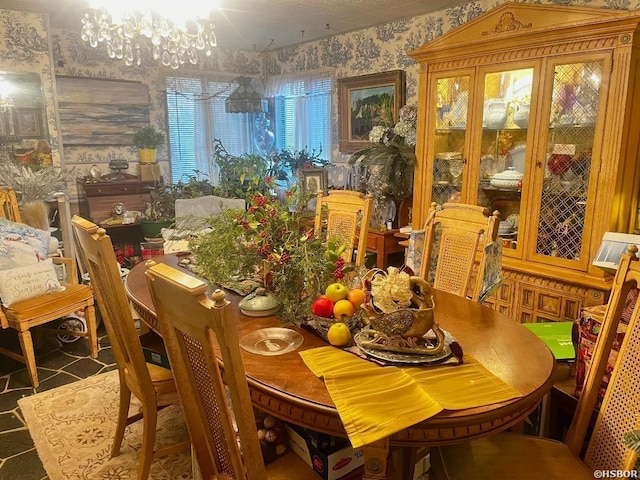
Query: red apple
322, 306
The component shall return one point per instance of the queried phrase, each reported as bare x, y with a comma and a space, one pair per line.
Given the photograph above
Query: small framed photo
313, 180
367, 101
29, 122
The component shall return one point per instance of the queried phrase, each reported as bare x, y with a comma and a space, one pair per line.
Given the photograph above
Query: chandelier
175, 31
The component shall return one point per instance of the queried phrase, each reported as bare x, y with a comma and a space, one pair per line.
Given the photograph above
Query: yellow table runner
375, 402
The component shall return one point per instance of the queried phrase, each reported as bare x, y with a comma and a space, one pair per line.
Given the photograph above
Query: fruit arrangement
338, 306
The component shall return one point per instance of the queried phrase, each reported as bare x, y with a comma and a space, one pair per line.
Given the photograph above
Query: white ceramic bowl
505, 227
510, 179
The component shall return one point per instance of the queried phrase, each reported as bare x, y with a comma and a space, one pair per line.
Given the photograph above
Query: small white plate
271, 341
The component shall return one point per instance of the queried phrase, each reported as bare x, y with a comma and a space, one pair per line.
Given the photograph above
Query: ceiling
267, 24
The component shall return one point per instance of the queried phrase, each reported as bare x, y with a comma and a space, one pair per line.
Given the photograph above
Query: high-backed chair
32, 312
528, 457
346, 211
193, 326
151, 384
456, 235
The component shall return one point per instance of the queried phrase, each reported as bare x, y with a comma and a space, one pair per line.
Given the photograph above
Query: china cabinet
528, 110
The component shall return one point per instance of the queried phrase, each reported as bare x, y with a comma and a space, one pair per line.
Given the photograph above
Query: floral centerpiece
273, 242
390, 161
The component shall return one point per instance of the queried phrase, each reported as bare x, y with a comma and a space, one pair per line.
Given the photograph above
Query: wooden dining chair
346, 211
222, 426
509, 455
151, 384
38, 311
456, 236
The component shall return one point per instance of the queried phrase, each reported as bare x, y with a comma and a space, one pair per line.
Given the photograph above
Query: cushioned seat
43, 300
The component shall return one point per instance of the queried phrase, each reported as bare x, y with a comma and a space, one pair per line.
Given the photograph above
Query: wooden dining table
284, 386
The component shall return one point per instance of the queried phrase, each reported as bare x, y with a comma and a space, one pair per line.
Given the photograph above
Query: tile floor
58, 364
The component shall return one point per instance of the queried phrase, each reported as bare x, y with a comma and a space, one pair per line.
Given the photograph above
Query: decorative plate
514, 218
405, 358
271, 341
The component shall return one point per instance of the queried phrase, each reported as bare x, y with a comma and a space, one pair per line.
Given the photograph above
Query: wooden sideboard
383, 243
96, 199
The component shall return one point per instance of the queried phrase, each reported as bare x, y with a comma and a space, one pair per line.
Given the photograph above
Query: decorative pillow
29, 281
38, 239
16, 253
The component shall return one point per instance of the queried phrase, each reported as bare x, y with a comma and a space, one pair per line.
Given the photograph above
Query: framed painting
313, 180
28, 122
365, 102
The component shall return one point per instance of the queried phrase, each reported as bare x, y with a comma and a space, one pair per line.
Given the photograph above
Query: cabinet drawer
124, 189
374, 243
97, 191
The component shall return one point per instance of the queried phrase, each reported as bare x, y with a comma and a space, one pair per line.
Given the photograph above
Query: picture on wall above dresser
95, 111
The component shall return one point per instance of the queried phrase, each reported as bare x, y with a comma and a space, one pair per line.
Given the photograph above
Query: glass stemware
456, 166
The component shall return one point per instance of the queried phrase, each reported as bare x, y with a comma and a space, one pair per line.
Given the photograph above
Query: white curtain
196, 115
306, 112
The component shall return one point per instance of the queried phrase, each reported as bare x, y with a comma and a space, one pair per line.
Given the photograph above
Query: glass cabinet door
501, 167
564, 197
449, 146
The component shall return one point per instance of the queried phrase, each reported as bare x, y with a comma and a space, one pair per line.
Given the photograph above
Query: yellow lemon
339, 334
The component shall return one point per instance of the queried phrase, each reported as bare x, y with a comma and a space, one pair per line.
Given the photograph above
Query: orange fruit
339, 334
343, 309
357, 297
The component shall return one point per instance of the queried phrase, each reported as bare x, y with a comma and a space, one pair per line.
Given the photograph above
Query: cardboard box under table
331, 457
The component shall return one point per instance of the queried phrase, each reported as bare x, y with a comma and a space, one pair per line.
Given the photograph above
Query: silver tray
271, 341
405, 358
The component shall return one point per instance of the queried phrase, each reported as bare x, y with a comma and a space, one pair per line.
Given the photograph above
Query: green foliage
396, 164
292, 161
164, 195
274, 241
220, 253
239, 173
194, 186
148, 137
163, 202
632, 442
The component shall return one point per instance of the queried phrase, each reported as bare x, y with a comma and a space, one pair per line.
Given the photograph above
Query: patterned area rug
73, 426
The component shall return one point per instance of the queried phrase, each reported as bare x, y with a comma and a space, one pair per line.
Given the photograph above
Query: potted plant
161, 210
147, 140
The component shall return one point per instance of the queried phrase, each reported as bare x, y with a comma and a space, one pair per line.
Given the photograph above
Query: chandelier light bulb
173, 39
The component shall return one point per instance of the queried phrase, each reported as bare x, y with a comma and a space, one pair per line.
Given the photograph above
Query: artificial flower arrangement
393, 149
273, 241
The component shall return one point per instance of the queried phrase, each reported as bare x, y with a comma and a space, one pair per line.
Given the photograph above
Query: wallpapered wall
24, 45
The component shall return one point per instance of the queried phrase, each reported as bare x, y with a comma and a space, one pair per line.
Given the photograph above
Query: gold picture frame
366, 101
29, 122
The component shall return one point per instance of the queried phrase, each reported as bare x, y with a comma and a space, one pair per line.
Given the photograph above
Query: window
302, 111
196, 116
